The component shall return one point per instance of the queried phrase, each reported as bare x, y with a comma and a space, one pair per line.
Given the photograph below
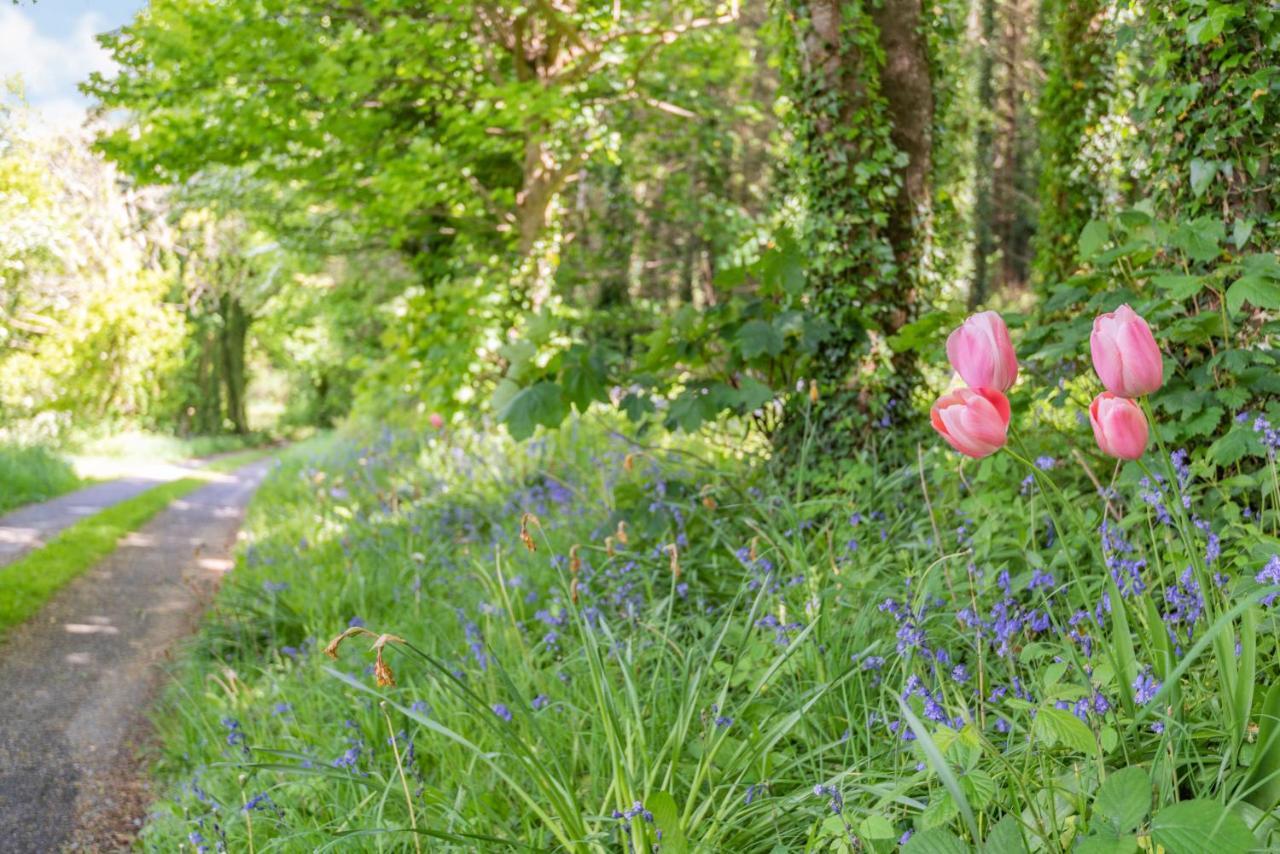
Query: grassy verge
694, 658
26, 584
30, 473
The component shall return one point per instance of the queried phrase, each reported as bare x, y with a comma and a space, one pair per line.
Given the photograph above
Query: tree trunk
983, 241
235, 327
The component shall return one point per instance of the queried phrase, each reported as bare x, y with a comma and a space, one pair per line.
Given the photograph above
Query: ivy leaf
934, 842
1202, 174
1124, 799
757, 337
1058, 726
1207, 28
1200, 826
1095, 234
523, 409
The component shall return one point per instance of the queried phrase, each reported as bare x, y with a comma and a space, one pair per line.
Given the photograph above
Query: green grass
155, 447
810, 662
27, 584
31, 473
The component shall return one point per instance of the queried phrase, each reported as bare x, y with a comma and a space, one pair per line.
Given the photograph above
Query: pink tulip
1125, 353
981, 352
974, 421
1119, 426
437, 421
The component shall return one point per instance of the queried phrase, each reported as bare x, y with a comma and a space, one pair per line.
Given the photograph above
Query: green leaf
1107, 845
667, 818
1180, 287
1263, 780
522, 410
1095, 234
583, 377
1259, 292
1200, 826
636, 406
1200, 238
877, 827
1206, 29
1005, 838
757, 337
1240, 232
1232, 447
1202, 175
1124, 799
751, 394
1058, 726
934, 842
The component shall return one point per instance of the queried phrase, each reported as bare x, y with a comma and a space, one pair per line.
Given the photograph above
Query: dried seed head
525, 521
675, 559
813, 391
628, 462
608, 546
753, 554
575, 562
332, 649
573, 591
707, 501
621, 533
382, 672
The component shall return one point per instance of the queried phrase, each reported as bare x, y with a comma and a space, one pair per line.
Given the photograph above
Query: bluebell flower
1269, 575
501, 710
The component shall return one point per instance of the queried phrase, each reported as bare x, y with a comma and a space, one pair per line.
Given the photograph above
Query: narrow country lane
80, 676
30, 527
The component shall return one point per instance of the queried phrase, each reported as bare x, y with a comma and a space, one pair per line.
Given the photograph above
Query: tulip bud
982, 354
1119, 426
437, 420
1125, 353
974, 421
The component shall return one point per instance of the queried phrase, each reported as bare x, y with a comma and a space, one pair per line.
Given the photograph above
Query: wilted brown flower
524, 531
621, 533
575, 562
675, 559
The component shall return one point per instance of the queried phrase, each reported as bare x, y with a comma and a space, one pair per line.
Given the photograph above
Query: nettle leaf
1057, 726
1124, 799
934, 842
1201, 826
1259, 285
759, 337
523, 409
1094, 234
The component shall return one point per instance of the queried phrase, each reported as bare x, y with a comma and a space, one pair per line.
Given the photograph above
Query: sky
50, 44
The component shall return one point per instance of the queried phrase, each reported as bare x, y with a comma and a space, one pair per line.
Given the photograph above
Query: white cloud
51, 66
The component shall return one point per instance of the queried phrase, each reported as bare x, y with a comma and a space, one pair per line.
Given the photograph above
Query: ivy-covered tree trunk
983, 239
233, 332
863, 99
1073, 100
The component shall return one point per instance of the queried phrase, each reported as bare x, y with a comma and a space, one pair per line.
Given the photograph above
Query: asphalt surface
79, 678
32, 526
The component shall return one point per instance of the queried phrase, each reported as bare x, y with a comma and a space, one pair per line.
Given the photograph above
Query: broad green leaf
1005, 838
1200, 238
636, 406
751, 394
934, 842
523, 410
1094, 234
1124, 799
1107, 845
877, 827
1057, 726
759, 337
1200, 826
1255, 290
1240, 232
1202, 175
1263, 781
1178, 286
666, 815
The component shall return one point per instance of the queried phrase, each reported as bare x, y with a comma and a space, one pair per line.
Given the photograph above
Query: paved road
78, 679
32, 526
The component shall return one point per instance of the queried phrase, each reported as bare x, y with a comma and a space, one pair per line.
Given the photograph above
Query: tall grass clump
31, 473
586, 644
